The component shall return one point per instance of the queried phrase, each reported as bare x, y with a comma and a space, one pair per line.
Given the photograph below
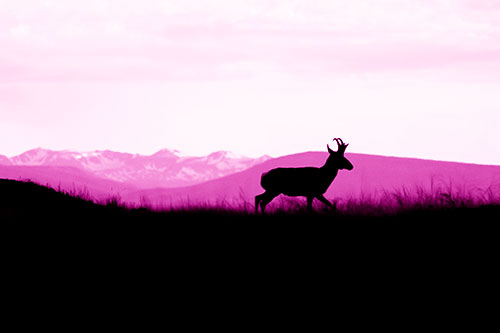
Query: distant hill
4, 160
370, 177
143, 178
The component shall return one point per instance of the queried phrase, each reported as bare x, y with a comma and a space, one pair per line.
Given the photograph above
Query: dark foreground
319, 264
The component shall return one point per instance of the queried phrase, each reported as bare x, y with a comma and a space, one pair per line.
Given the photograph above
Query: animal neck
329, 172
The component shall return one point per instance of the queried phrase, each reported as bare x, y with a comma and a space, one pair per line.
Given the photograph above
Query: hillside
69, 179
34, 204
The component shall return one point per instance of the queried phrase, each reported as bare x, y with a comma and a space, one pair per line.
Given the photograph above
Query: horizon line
181, 154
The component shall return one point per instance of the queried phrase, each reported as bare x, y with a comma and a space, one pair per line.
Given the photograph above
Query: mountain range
168, 178
165, 168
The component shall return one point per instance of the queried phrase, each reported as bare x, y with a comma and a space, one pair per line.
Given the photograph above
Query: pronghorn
309, 182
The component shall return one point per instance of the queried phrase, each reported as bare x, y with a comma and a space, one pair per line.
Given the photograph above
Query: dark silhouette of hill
68, 179
46, 224
36, 204
56, 242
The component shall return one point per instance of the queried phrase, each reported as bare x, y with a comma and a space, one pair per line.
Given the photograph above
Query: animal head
336, 160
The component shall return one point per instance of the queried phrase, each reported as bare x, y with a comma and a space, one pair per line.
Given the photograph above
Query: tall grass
418, 198
381, 203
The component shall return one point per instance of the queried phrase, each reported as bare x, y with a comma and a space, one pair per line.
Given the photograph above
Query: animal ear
329, 150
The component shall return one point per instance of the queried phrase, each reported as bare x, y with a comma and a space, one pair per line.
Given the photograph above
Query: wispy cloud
128, 40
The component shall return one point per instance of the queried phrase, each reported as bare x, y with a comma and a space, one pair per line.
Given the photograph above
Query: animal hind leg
331, 205
258, 199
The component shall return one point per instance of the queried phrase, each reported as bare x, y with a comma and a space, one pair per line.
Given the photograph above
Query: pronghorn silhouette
309, 182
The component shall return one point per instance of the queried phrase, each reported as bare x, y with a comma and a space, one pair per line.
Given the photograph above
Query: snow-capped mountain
4, 160
165, 168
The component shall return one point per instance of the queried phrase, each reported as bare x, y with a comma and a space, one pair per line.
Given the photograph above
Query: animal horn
341, 145
338, 142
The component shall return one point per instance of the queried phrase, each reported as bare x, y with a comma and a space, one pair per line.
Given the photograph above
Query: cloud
200, 40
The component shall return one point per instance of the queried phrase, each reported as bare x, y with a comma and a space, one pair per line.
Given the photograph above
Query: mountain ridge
166, 167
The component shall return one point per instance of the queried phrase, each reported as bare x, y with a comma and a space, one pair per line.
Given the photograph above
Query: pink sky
403, 77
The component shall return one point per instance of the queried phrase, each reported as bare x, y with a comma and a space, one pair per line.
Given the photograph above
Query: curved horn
338, 143
341, 144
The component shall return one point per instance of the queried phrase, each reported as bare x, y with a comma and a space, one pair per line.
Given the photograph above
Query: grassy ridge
400, 217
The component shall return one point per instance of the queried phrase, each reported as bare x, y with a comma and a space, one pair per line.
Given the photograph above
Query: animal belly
303, 190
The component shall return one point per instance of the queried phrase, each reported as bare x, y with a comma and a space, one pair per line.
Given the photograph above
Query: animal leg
258, 199
309, 203
324, 200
